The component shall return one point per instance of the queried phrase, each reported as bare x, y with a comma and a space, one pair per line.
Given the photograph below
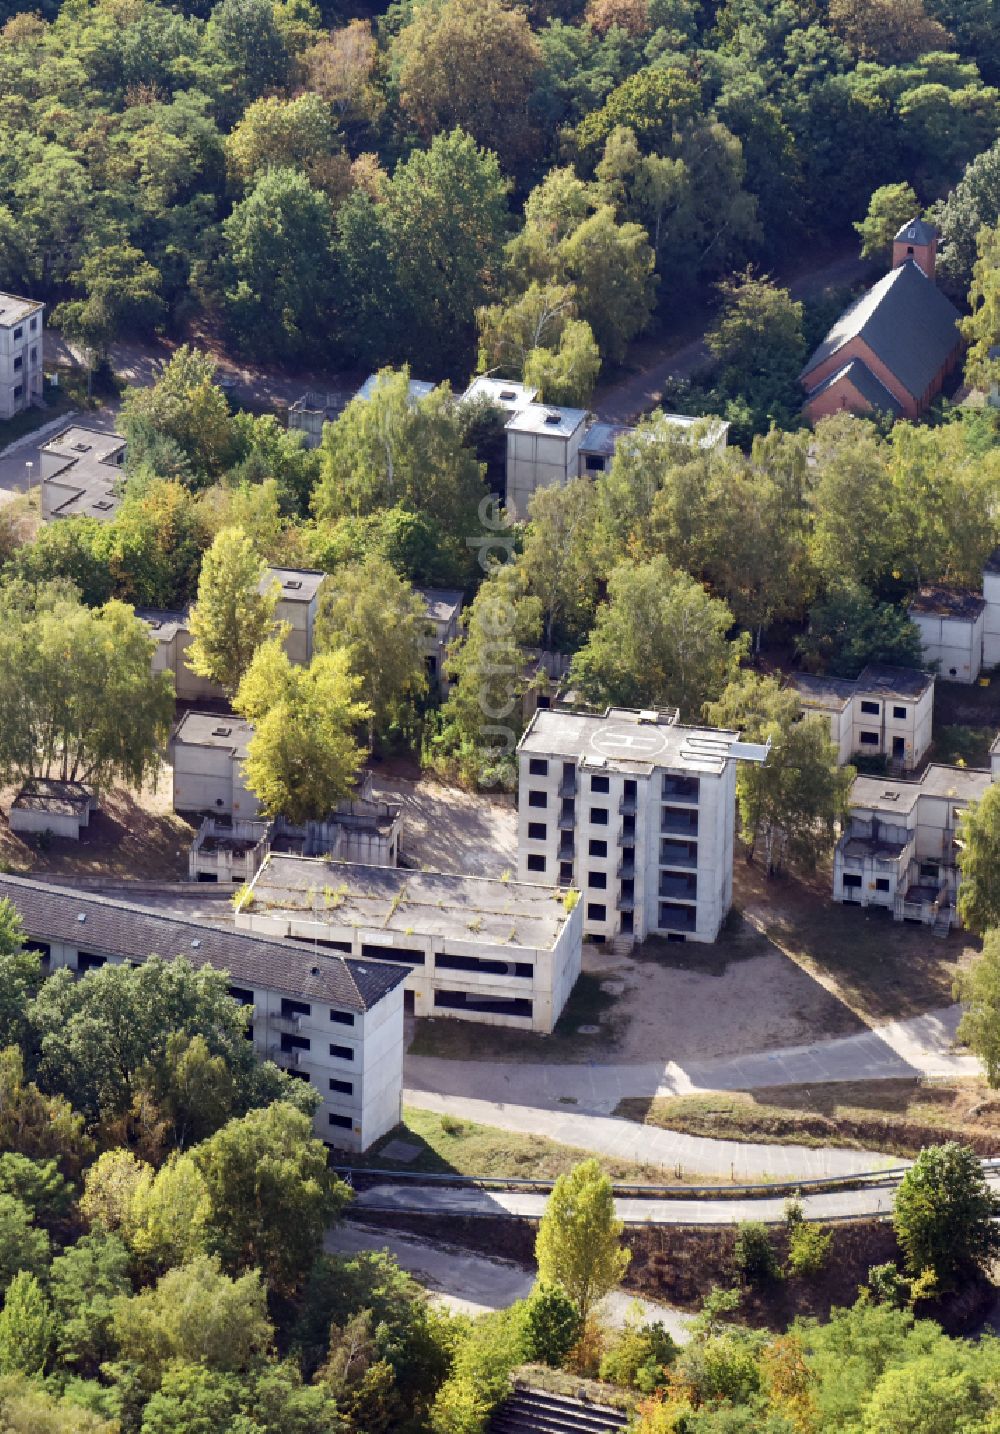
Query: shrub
754, 1259
639, 1357
808, 1248
585, 1357
451, 1125
886, 1286
552, 1324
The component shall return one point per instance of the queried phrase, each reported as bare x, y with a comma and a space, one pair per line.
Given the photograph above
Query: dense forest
354, 190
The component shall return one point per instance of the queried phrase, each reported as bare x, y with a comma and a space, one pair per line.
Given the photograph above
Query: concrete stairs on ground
622, 945
530, 1411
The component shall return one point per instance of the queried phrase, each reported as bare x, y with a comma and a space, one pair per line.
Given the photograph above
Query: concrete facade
298, 601
499, 953
22, 324
444, 606
884, 712
81, 474
951, 622
172, 636
991, 617
208, 753
898, 850
335, 1023
47, 805
637, 812
543, 447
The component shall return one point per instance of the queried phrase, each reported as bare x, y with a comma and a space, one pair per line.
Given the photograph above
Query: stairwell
529, 1411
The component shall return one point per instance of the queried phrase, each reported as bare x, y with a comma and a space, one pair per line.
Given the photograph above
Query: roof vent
82, 447
104, 505
195, 943
553, 418
82, 916
293, 583
508, 395
890, 796
222, 731
314, 970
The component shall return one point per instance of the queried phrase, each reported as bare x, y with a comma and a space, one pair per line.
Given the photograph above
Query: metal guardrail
848, 1217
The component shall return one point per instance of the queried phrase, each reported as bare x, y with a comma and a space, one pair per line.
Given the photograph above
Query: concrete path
678, 1155
470, 1283
431, 1199
921, 1046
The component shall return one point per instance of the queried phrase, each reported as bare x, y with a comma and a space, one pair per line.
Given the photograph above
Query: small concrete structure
298, 600
172, 636
951, 622
332, 1022
601, 440
504, 392
500, 953
898, 849
81, 474
45, 804
419, 388
884, 712
443, 608
21, 353
225, 852
208, 752
543, 446
309, 413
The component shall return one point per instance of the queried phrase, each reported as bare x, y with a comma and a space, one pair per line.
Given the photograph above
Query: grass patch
898, 1117
882, 970
588, 1005
452, 1146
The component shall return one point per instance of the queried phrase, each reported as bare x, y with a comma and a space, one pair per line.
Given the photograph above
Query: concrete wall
956, 644
61, 824
29, 349
903, 719
210, 779
539, 460
991, 620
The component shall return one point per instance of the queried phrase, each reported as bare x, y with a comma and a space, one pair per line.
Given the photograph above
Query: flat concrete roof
546, 418
938, 601
163, 625
390, 904
827, 694
504, 392
883, 794
882, 677
208, 729
84, 444
14, 309
627, 740
84, 484
442, 603
832, 694
48, 794
297, 584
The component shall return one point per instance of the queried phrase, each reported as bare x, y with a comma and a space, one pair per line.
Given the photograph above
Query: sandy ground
448, 829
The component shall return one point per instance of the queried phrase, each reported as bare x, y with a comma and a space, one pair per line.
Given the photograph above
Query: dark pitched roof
120, 928
871, 388
906, 321
948, 602
916, 231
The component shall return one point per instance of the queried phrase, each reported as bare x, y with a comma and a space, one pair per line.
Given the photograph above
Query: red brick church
891, 351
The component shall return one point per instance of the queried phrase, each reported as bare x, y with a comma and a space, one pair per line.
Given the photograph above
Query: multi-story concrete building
310, 413
601, 440
884, 712
443, 608
497, 952
208, 752
898, 849
636, 811
298, 600
543, 446
21, 326
172, 638
951, 622
331, 1021
81, 474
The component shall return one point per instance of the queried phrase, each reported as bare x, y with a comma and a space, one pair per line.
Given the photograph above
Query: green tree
790, 804
169, 1215
271, 1194
37, 1184
293, 134
381, 623
276, 266
658, 641
303, 757
891, 206
982, 327
473, 65
234, 612
945, 1213
27, 1408
27, 1327
754, 1258
39, 1126
979, 989
20, 976
848, 628
22, 1246
84, 1282
186, 406
850, 500
974, 201
640, 1355
247, 37
104, 716
121, 296
579, 1237
552, 1324
979, 862
557, 559
759, 346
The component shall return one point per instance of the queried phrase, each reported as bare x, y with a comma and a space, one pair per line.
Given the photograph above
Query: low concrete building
501, 953
208, 752
21, 353
331, 1021
638, 812
308, 414
884, 712
600, 442
45, 804
81, 474
418, 388
298, 601
543, 446
502, 392
444, 606
898, 849
224, 852
172, 636
951, 622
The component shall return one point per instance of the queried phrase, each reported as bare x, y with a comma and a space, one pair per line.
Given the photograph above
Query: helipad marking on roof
629, 742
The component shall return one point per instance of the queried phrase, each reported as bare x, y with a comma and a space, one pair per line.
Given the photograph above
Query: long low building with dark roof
329, 1020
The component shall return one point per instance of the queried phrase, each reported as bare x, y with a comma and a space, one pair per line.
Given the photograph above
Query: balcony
627, 806
567, 787
567, 816
626, 901
566, 849
626, 832
679, 823
626, 867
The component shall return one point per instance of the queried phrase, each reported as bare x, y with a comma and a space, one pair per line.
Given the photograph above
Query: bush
639, 1357
552, 1324
886, 1286
808, 1247
451, 1125
754, 1260
585, 1357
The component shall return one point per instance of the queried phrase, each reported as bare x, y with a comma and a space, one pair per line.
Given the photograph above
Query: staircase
622, 945
529, 1411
